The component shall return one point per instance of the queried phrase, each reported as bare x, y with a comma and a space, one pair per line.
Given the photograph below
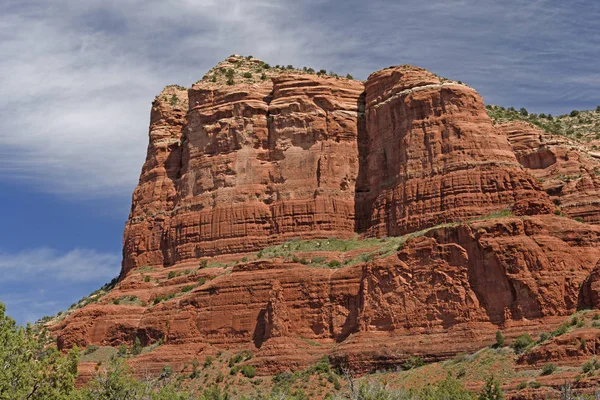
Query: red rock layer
455, 284
256, 164
564, 168
249, 165
432, 155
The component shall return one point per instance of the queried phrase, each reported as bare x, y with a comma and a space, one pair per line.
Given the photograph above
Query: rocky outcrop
432, 155
454, 282
565, 169
301, 155
255, 164
238, 163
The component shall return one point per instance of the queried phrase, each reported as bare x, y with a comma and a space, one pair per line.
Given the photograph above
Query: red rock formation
254, 164
452, 283
232, 169
432, 155
564, 168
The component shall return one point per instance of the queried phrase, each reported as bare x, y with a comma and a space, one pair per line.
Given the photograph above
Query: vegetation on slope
580, 125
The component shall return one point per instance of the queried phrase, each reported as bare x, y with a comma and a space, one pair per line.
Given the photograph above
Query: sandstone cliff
298, 215
235, 168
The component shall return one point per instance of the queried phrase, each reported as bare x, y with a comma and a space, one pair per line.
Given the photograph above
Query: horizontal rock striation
564, 168
235, 168
453, 281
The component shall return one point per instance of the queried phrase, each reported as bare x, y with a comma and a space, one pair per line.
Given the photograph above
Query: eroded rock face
432, 155
255, 164
452, 283
565, 169
300, 155
232, 169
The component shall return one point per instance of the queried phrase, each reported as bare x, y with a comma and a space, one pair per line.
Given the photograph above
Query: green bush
348, 76
249, 371
334, 264
522, 342
137, 347
521, 385
203, 264
146, 278
171, 275
230, 81
208, 361
247, 75
561, 330
535, 385
187, 288
413, 362
492, 390
499, 339
574, 113
548, 369
544, 336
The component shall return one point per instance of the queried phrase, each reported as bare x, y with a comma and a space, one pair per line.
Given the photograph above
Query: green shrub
187, 288
561, 330
203, 263
521, 385
413, 362
235, 359
334, 264
535, 385
574, 113
249, 371
230, 81
548, 369
171, 275
137, 347
247, 75
166, 372
492, 390
544, 336
146, 278
201, 281
522, 342
208, 361
348, 76
499, 339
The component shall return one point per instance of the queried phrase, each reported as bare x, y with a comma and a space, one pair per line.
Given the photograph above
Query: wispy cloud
43, 281
77, 78
78, 265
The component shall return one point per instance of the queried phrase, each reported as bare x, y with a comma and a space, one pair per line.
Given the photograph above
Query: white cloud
77, 77
44, 265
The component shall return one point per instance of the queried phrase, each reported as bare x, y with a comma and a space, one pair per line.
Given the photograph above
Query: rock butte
233, 169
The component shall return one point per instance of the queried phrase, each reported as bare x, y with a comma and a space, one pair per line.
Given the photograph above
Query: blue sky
77, 79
